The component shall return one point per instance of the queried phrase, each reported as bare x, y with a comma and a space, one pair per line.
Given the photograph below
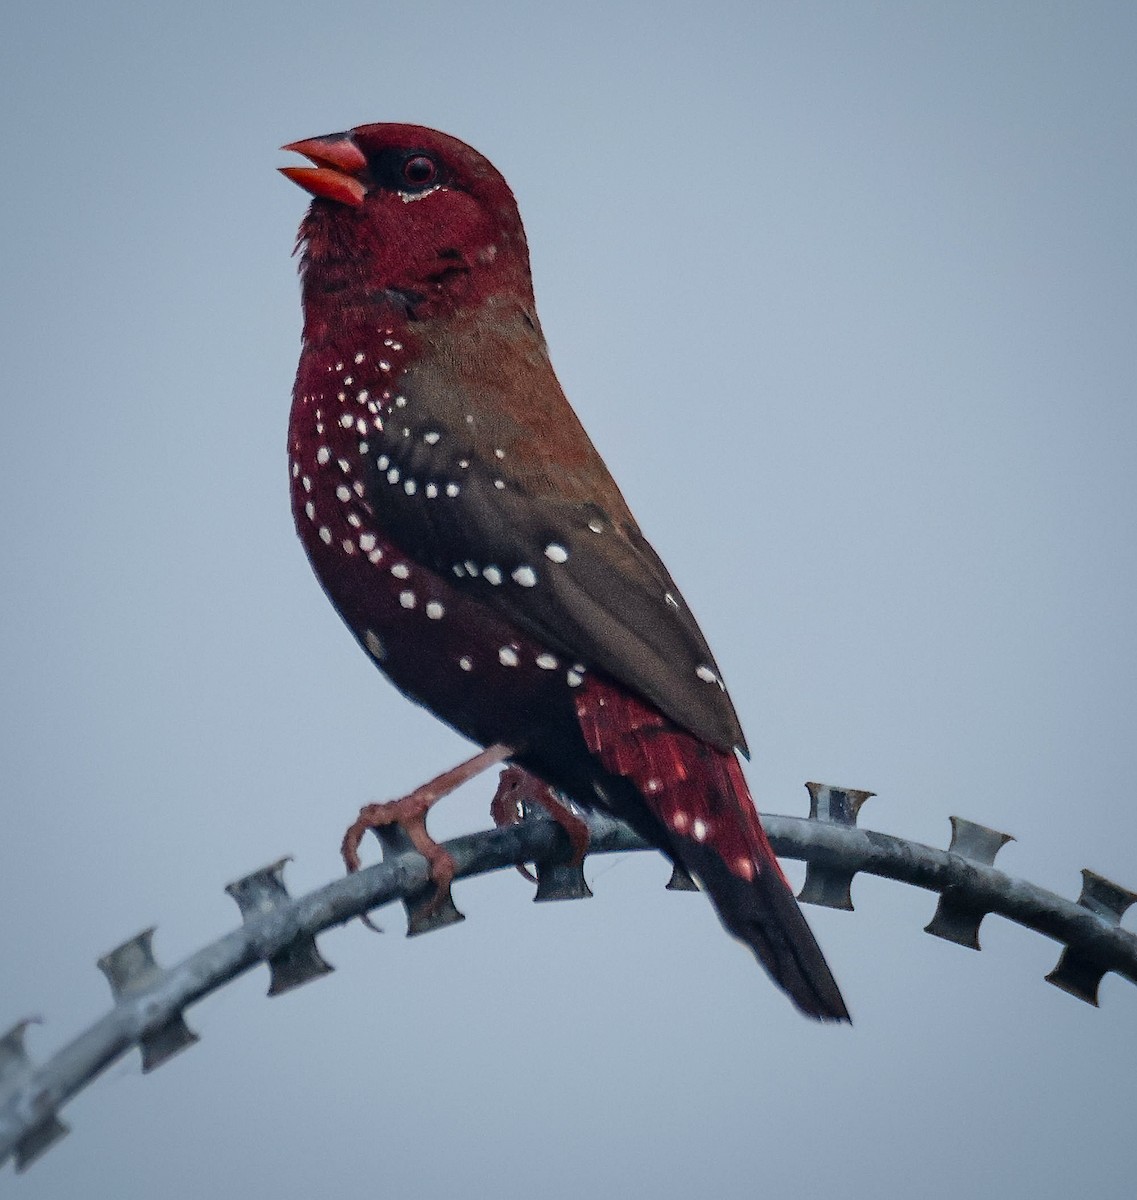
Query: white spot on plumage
400, 402
353, 520
374, 645
366, 542
325, 535
653, 786
382, 462
384, 365
393, 475
574, 678
375, 556
343, 493
472, 567
508, 656
310, 509
348, 380
361, 427
465, 663
434, 610
344, 465
706, 674
357, 488
670, 599
452, 490
499, 453
492, 575
555, 552
596, 526
363, 447
525, 576
431, 438
347, 420
699, 829
401, 571
307, 483
295, 469
499, 484
431, 491
322, 455
547, 662
463, 463
410, 487
363, 396
407, 599
459, 570
348, 546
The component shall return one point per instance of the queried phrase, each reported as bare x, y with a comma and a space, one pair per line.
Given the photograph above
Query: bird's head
408, 215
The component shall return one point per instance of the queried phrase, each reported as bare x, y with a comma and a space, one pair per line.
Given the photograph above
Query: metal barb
15, 1067
1078, 972
1104, 898
558, 877
14, 1061
839, 806
681, 880
131, 969
826, 885
957, 919
262, 894
979, 843
561, 881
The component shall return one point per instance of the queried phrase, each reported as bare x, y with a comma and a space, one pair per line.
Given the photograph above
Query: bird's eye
420, 170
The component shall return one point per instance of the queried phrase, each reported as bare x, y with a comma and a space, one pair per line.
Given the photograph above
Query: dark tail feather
764, 914
698, 801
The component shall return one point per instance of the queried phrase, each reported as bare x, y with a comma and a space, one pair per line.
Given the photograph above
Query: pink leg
410, 813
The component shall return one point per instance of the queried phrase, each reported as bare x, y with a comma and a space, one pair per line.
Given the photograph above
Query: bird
474, 542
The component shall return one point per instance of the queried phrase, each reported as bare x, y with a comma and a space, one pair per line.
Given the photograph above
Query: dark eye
420, 170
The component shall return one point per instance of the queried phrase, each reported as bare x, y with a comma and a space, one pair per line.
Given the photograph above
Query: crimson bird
469, 534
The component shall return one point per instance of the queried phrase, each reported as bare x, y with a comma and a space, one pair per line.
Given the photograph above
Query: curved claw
516, 788
506, 807
409, 813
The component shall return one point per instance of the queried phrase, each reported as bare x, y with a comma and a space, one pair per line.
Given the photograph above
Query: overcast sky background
847, 296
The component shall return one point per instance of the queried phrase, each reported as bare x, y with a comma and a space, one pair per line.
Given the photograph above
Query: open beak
339, 161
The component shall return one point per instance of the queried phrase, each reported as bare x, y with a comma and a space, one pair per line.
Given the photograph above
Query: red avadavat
467, 531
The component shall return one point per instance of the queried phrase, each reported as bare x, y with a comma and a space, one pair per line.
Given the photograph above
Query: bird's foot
516, 788
409, 814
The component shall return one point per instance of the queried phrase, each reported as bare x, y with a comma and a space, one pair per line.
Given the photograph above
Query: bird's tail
699, 797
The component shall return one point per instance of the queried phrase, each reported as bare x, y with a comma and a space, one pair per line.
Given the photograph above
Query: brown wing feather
544, 538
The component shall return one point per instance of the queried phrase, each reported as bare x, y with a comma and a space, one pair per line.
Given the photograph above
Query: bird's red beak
339, 162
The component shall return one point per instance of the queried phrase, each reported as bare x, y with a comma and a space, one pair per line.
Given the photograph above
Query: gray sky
847, 295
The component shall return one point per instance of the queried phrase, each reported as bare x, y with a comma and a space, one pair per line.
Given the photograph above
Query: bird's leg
516, 788
409, 813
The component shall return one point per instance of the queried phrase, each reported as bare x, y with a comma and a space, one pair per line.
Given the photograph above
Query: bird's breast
445, 650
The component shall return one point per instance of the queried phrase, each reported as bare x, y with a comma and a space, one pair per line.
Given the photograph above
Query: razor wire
280, 930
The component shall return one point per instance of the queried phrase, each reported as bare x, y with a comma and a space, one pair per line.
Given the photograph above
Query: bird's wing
564, 562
